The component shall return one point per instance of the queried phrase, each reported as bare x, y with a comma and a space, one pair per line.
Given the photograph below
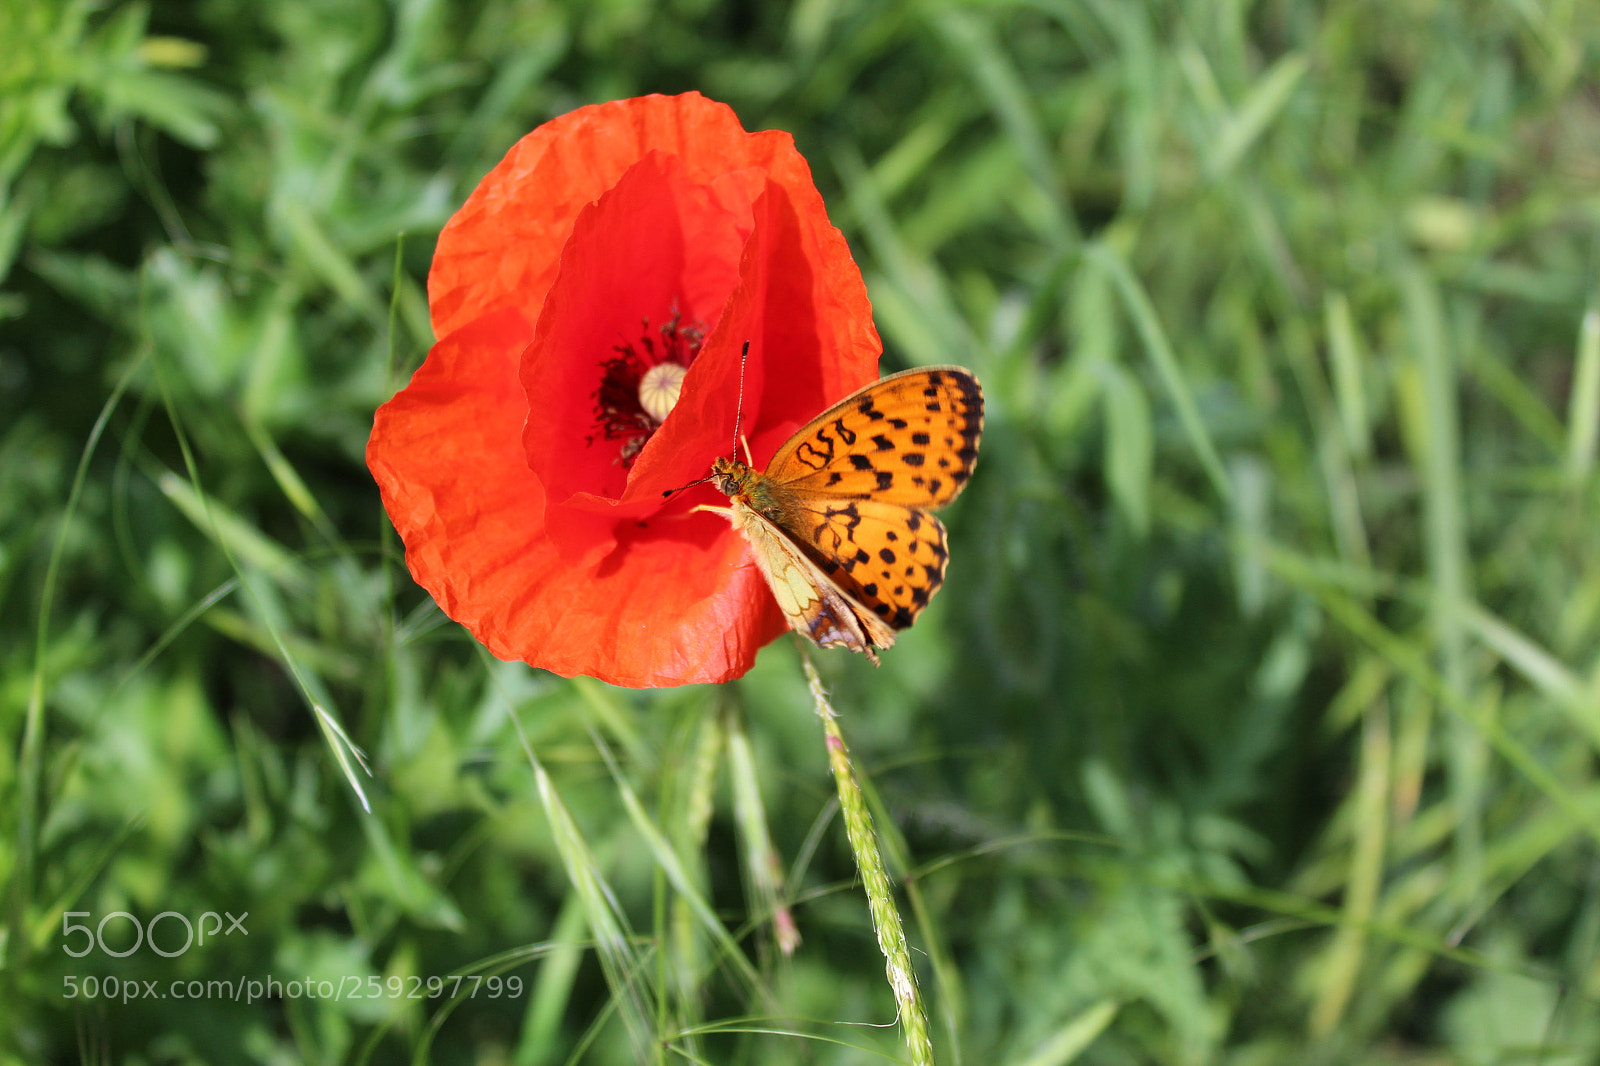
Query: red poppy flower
618, 256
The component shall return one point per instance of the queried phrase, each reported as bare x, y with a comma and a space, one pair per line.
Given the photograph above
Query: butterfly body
839, 521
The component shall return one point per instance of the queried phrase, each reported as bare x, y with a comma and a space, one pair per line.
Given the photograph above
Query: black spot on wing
812, 456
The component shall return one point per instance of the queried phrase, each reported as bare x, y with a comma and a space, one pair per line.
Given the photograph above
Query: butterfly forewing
909, 439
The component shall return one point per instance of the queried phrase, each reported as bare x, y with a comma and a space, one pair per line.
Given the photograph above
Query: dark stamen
618, 412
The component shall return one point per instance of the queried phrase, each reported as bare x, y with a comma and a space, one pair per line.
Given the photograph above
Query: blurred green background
1258, 720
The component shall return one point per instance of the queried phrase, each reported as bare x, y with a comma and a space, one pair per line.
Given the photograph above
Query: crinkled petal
503, 247
673, 602
653, 247
553, 553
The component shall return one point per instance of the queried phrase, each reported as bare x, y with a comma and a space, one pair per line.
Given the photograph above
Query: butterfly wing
813, 604
839, 520
888, 558
910, 439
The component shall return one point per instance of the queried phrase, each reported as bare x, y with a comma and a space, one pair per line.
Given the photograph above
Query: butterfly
839, 521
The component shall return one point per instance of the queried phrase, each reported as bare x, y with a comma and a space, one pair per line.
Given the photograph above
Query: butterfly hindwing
910, 439
889, 558
812, 603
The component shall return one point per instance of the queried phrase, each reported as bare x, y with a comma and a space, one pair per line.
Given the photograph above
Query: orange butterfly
839, 521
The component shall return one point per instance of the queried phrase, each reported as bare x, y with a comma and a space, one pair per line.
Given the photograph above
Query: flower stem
880, 898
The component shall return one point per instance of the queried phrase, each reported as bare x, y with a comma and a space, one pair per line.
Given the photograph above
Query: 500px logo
96, 936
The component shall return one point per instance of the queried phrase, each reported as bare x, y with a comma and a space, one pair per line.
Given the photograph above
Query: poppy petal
654, 244
546, 539
447, 458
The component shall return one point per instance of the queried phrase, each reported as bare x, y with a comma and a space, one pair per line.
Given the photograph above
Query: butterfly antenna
738, 411
681, 488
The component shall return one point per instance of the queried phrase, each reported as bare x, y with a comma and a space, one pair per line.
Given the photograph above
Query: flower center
640, 384
658, 392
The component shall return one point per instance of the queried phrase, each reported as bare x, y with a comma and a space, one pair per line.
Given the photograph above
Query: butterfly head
729, 475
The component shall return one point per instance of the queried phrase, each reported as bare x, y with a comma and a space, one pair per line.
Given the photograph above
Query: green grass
1258, 721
